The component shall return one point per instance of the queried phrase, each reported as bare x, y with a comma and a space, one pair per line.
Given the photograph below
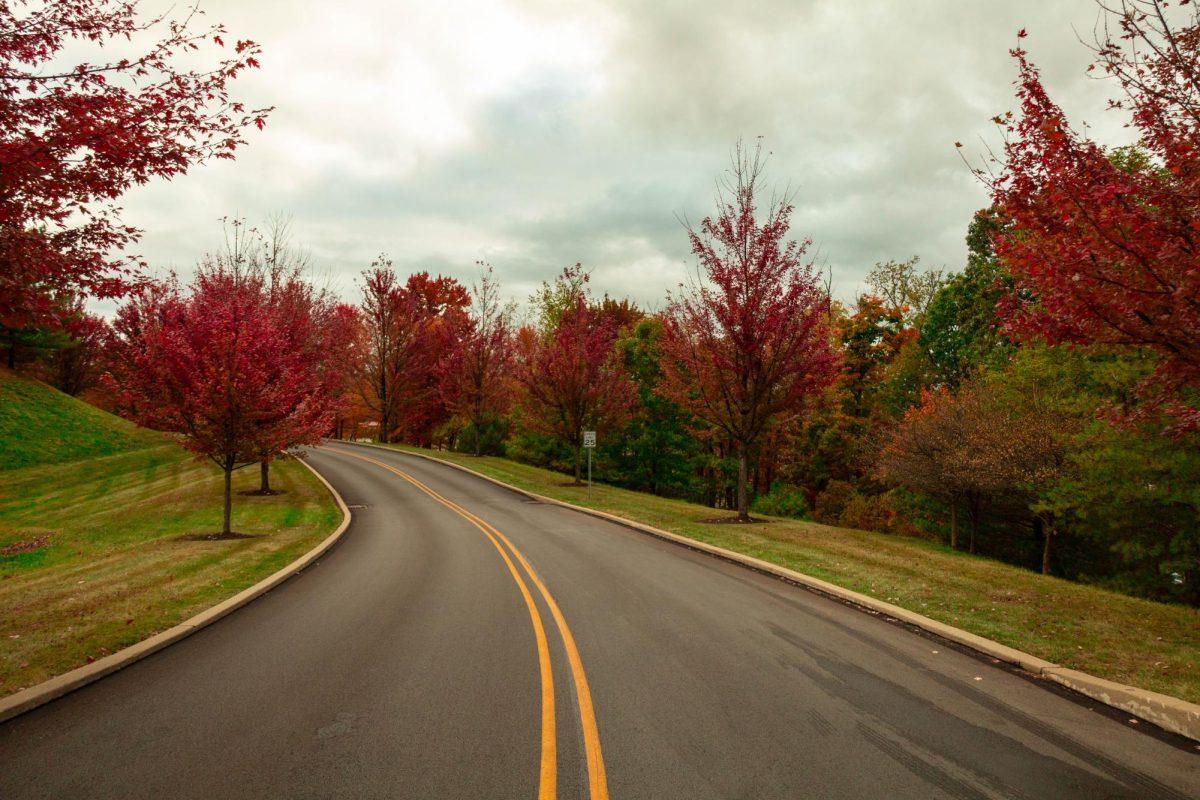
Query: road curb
28, 699
1169, 713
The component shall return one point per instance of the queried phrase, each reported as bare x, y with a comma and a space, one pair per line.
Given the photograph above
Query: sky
535, 134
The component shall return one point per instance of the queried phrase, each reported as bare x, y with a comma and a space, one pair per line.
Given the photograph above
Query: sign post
589, 442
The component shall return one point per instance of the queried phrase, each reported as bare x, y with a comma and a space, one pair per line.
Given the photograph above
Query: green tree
656, 451
961, 331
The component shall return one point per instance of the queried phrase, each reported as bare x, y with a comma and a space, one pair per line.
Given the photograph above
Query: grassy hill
41, 425
98, 531
1152, 645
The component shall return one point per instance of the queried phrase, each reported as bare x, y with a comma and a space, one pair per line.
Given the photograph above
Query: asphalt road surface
463, 642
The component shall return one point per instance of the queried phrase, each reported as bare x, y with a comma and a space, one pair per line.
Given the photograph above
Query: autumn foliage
748, 344
238, 367
572, 377
75, 135
1103, 245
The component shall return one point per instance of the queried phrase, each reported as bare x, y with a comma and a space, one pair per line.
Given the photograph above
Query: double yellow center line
548, 774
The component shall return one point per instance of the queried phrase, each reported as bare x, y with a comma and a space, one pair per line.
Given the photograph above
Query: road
464, 642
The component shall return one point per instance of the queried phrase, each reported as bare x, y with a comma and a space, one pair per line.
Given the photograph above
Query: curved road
463, 642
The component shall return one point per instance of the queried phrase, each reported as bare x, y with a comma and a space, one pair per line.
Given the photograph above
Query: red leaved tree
572, 377
388, 341
746, 345
76, 135
210, 363
407, 331
477, 382
1103, 245
440, 304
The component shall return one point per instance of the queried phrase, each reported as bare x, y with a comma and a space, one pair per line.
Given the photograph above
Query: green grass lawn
1152, 645
40, 425
94, 547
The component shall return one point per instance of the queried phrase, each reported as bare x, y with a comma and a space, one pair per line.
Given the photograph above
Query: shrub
832, 502
781, 501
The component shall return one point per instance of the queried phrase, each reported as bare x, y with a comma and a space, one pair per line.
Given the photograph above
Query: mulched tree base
735, 521
217, 537
261, 493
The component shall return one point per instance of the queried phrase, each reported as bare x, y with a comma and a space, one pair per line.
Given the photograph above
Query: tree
478, 372
901, 284
317, 333
961, 332
1103, 249
923, 454
80, 363
747, 343
312, 327
572, 378
208, 363
389, 339
656, 451
73, 139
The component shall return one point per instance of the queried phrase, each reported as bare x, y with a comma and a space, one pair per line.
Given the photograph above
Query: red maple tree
748, 343
572, 377
211, 363
75, 135
1102, 244
477, 382
407, 330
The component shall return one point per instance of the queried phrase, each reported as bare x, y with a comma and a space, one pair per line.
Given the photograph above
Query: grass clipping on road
1151, 645
94, 555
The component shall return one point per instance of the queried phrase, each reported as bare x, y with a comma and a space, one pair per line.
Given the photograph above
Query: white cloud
537, 133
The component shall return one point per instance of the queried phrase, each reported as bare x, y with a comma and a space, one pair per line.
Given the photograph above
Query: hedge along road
464, 642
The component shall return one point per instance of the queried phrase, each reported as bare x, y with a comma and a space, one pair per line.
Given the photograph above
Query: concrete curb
27, 699
1169, 713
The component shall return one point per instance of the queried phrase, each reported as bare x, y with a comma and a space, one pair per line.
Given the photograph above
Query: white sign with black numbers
589, 438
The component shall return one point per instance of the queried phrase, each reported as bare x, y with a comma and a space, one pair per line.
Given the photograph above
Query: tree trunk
743, 505
953, 525
225, 530
1047, 532
264, 466
579, 465
475, 430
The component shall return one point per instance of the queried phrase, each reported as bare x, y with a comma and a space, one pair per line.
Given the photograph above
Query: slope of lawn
94, 547
1139, 642
40, 425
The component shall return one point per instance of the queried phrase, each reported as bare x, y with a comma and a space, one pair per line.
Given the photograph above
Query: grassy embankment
95, 515
1151, 645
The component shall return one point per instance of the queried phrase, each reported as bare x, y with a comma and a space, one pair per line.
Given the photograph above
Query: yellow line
548, 775
597, 779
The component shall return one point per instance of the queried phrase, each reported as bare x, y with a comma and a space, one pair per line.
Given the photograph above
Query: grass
1155, 646
94, 554
40, 425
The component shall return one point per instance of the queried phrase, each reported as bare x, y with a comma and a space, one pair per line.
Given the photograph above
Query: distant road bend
465, 642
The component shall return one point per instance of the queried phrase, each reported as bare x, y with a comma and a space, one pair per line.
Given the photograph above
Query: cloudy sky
538, 133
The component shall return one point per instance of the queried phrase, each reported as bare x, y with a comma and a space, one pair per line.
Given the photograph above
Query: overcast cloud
535, 133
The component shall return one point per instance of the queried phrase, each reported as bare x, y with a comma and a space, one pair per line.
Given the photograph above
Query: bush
492, 435
781, 501
833, 501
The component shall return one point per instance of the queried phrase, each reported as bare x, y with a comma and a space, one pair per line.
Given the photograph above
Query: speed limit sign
589, 438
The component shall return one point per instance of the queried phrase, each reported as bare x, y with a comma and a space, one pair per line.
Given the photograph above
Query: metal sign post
589, 442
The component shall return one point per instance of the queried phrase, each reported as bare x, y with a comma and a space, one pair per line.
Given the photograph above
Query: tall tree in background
75, 135
1102, 250
441, 306
389, 340
478, 382
79, 365
208, 363
748, 344
572, 377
